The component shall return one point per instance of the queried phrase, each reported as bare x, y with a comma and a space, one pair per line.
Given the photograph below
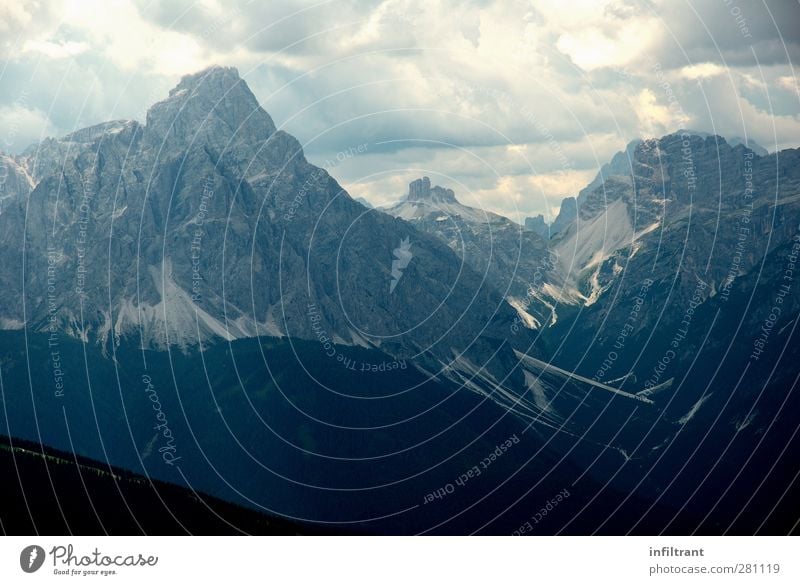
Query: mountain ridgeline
209, 222
191, 300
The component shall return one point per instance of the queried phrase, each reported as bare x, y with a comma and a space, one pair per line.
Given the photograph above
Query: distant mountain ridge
620, 165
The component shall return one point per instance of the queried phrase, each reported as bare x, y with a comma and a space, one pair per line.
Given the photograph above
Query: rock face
207, 222
688, 264
690, 217
517, 262
537, 226
566, 215
648, 193
14, 179
674, 258
421, 191
730, 140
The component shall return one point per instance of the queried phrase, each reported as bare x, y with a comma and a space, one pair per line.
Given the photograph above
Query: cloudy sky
514, 104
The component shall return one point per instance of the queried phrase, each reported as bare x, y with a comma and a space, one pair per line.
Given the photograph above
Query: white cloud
118, 32
55, 50
701, 71
655, 118
787, 82
601, 33
24, 21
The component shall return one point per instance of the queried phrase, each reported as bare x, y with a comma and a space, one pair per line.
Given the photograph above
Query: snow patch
270, 325
537, 390
521, 308
693, 411
748, 420
539, 365
410, 210
782, 329
11, 324
594, 241
651, 228
595, 289
567, 295
175, 319
359, 340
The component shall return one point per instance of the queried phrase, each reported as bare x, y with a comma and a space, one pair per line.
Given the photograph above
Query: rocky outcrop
566, 215
538, 226
420, 190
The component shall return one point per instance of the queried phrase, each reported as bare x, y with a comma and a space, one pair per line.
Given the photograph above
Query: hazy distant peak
730, 140
421, 190
424, 200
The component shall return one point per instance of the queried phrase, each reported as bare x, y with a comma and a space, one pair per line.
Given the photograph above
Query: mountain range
324, 361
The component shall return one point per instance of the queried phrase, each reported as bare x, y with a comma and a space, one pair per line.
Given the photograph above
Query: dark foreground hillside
50, 492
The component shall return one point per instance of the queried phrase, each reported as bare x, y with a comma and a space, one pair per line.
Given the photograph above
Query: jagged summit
423, 200
214, 105
421, 190
538, 226
213, 77
730, 140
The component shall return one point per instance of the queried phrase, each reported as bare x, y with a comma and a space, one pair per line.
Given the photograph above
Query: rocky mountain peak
421, 190
538, 226
211, 79
212, 106
730, 140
